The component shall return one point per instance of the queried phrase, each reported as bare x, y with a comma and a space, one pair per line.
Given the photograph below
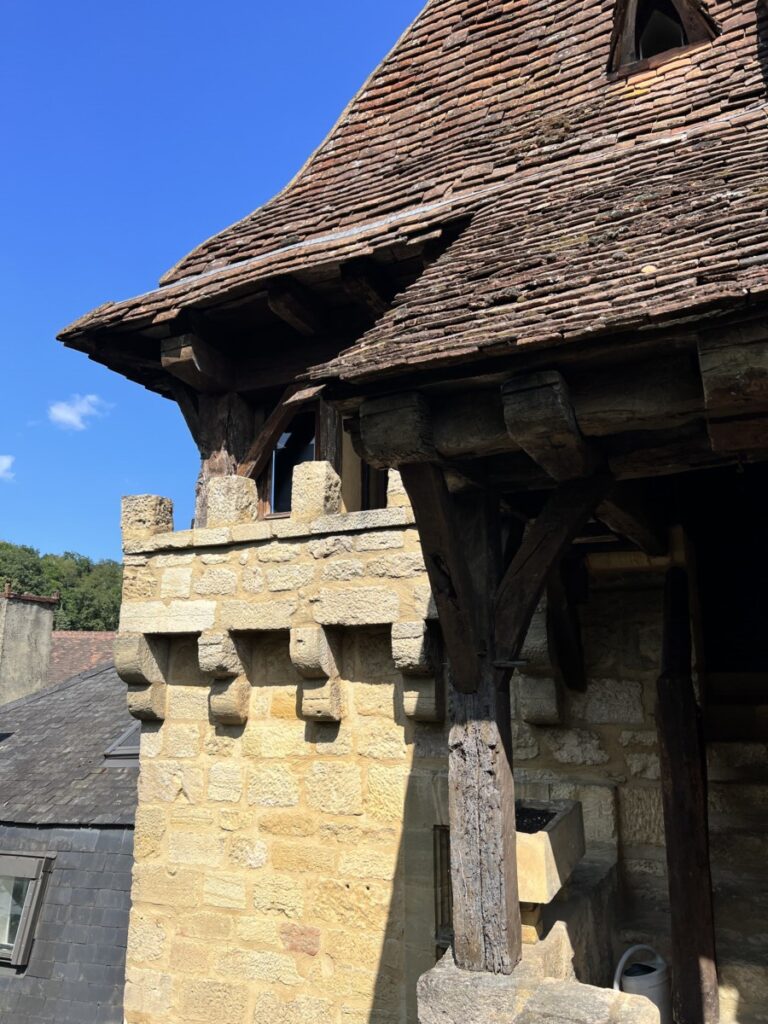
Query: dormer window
648, 32
658, 28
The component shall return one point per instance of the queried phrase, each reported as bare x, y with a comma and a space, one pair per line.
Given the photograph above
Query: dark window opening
658, 28
296, 445
726, 524
646, 33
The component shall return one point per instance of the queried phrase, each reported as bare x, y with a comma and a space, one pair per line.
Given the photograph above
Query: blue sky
131, 132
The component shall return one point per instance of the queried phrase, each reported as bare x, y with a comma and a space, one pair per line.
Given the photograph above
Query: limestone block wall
600, 746
292, 763
294, 754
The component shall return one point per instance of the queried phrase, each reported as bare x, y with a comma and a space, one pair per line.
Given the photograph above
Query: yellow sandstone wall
284, 863
294, 754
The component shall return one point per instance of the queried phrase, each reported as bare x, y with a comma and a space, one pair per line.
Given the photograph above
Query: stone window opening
22, 883
649, 32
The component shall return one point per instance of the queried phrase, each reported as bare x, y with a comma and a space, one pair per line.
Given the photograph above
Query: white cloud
74, 414
6, 467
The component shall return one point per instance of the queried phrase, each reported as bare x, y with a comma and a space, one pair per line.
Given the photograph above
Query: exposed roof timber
197, 364
296, 306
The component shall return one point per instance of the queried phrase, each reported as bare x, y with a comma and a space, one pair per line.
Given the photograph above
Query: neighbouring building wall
76, 970
25, 645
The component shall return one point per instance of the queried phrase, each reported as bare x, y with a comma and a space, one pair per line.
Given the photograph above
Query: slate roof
52, 769
504, 110
74, 651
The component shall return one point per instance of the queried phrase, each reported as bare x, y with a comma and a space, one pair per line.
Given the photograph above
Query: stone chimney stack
26, 627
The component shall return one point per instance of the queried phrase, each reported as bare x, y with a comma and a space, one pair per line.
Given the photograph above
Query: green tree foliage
90, 591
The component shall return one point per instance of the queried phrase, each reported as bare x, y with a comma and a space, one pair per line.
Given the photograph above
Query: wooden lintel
540, 418
255, 459
684, 795
564, 632
360, 285
548, 538
197, 364
447, 569
289, 301
629, 514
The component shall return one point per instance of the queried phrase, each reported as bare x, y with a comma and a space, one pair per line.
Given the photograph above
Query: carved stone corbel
142, 662
230, 700
314, 654
416, 655
219, 656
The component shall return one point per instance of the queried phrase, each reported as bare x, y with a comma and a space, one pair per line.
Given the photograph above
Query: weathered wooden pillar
461, 541
684, 792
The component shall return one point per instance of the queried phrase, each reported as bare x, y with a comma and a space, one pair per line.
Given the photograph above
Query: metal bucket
649, 978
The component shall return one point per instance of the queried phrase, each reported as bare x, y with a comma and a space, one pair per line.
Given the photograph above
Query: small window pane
13, 893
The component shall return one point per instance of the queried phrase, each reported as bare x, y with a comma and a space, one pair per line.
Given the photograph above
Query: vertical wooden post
684, 792
481, 787
461, 540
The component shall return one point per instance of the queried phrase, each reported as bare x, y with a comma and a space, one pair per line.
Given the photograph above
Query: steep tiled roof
506, 108
52, 763
74, 651
590, 255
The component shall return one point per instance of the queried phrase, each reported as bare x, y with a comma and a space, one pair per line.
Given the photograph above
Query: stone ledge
270, 529
447, 995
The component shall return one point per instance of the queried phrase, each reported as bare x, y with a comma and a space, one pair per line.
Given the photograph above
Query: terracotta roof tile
76, 652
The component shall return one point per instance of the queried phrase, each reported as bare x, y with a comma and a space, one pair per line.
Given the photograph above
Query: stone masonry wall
294, 754
600, 746
292, 766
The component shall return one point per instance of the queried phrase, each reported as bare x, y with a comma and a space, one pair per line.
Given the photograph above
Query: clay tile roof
73, 652
505, 110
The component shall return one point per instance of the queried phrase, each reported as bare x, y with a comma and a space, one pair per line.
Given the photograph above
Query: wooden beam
564, 631
223, 427
197, 364
447, 568
293, 304
258, 454
548, 538
684, 793
734, 373
486, 916
361, 285
541, 420
329, 435
481, 793
629, 514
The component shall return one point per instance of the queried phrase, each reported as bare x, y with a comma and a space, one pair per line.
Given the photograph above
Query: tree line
90, 591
